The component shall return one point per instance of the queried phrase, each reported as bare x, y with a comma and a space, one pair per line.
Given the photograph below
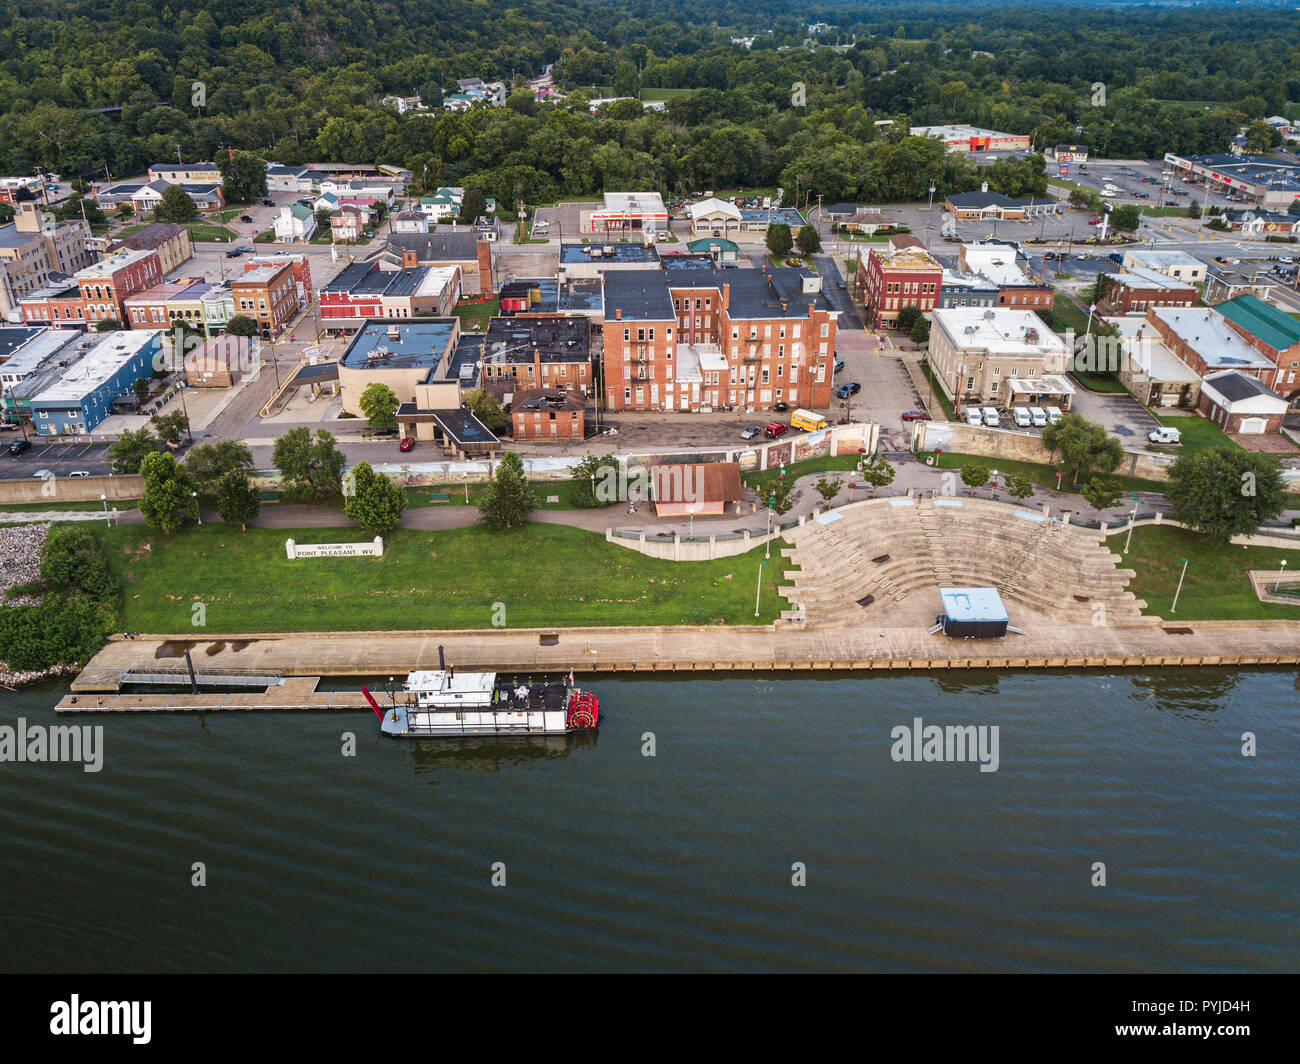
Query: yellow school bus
807, 420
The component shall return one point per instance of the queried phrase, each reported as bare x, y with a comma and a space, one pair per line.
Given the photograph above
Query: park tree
509, 498
169, 426
974, 475
1261, 137
238, 501
240, 325
780, 499
176, 206
1101, 494
127, 453
595, 481
779, 240
828, 487
373, 501
324, 218
488, 409
108, 325
1084, 447
140, 389
809, 241
920, 333
1019, 485
208, 463
243, 176
908, 316
169, 494
379, 403
1225, 492
310, 465
878, 473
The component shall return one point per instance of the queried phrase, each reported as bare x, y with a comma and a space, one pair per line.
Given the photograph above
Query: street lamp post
1131, 517
465, 477
758, 593
199, 513
1178, 590
104, 499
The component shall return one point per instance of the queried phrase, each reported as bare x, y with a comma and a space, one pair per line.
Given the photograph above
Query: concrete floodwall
70, 489
674, 548
1023, 447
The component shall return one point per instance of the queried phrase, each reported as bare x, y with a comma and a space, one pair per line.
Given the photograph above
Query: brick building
1133, 291
1273, 333
1202, 338
548, 414
1240, 403
902, 276
696, 337
997, 264
172, 242
268, 295
523, 354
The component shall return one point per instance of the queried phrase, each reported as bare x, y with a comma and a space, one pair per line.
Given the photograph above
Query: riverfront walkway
690, 649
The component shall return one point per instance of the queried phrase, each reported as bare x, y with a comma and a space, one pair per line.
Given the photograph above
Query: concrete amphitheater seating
885, 551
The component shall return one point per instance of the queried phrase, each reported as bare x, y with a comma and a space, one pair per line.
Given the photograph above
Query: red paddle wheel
582, 711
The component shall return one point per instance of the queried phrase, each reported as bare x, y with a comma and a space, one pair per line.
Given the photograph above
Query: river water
684, 860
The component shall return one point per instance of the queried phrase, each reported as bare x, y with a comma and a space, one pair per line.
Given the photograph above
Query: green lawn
469, 313
661, 95
546, 575
455, 492
37, 507
763, 480
1040, 472
1216, 586
205, 232
1066, 314
1198, 434
1100, 382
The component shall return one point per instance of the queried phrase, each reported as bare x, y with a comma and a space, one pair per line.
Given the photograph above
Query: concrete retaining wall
70, 489
699, 549
1023, 447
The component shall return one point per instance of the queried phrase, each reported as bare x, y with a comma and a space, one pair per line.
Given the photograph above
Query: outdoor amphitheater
882, 562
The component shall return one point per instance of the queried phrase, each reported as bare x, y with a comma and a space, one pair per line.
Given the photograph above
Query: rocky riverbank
20, 552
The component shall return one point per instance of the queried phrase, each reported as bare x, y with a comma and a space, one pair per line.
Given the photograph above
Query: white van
1038, 416
991, 417
1022, 416
1053, 414
973, 416
1164, 434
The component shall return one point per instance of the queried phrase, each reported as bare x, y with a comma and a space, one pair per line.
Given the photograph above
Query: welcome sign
374, 549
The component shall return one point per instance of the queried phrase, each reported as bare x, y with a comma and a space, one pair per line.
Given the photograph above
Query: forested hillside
96, 87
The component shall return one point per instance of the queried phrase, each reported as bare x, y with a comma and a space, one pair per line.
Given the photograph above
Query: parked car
974, 416
234, 253
369, 234
1021, 417
915, 415
750, 432
780, 406
80, 473
246, 249
991, 417
41, 474
774, 430
845, 390
268, 203
19, 446
406, 444
1164, 434
839, 365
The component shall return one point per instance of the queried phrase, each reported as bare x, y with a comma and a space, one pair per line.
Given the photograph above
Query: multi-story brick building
1274, 334
529, 353
172, 242
33, 248
1133, 291
1204, 340
301, 266
701, 338
998, 357
548, 414
362, 291
268, 295
903, 275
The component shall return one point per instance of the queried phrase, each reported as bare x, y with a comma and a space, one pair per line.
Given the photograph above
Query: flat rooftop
114, 262
1207, 333
635, 202
773, 215
97, 366
999, 330
554, 339
410, 344
608, 253
1144, 346
1150, 279
23, 349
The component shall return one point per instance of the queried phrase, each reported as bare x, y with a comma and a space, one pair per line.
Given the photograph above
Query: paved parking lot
1120, 414
59, 458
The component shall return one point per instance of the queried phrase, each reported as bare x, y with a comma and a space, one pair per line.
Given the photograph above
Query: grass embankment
764, 480
1197, 434
937, 392
546, 575
1039, 472
84, 507
1216, 587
